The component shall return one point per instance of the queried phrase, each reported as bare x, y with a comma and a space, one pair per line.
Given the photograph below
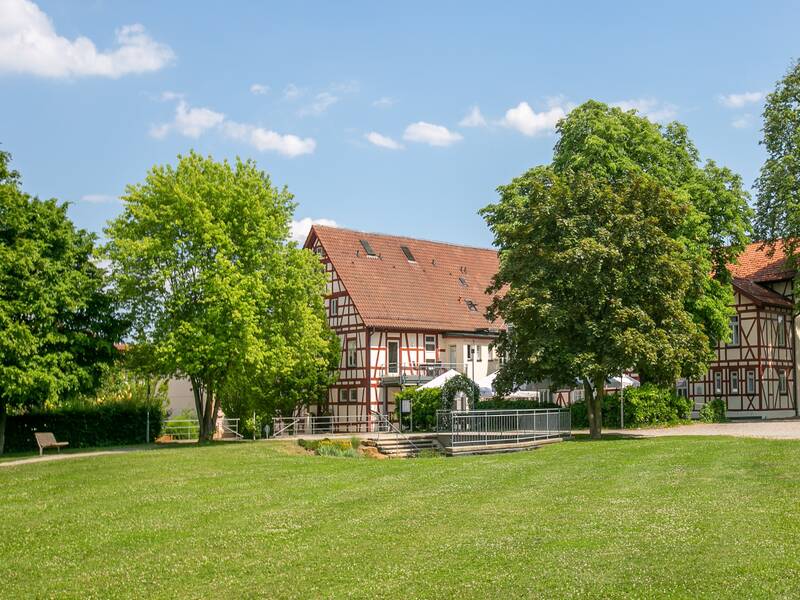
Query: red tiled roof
392, 292
760, 294
760, 263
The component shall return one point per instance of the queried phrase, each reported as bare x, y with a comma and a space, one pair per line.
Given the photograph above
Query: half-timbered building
405, 310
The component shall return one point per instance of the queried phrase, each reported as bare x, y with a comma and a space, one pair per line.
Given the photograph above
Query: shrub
337, 451
424, 404
87, 426
714, 411
328, 447
643, 406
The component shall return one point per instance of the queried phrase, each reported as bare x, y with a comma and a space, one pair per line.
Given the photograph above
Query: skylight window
462, 282
407, 251
471, 305
367, 248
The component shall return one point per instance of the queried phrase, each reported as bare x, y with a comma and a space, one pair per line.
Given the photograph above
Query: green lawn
670, 517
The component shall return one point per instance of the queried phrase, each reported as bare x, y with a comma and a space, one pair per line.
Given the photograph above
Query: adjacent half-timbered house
755, 373
405, 311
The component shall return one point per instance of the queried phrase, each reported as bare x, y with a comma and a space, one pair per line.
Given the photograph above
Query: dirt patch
371, 452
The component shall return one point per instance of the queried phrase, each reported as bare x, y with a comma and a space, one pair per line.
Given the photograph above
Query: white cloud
527, 121
30, 44
99, 198
264, 139
259, 89
383, 141
384, 102
292, 92
653, 109
189, 122
743, 122
299, 229
428, 133
345, 87
192, 122
740, 100
169, 96
322, 102
473, 119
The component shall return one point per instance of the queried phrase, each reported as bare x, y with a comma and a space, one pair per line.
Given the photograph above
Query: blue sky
362, 109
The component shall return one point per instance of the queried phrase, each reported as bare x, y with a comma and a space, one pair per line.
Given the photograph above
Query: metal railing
313, 425
189, 429
386, 425
484, 427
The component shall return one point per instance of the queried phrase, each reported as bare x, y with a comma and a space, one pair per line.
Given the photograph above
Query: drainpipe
794, 362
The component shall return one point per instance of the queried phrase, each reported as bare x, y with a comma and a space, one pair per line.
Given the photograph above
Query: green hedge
714, 411
643, 406
424, 404
113, 424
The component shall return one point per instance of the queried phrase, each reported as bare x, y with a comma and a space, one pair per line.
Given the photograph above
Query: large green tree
778, 186
614, 257
216, 293
57, 320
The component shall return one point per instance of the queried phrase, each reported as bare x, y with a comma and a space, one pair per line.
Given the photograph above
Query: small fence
189, 429
312, 425
484, 427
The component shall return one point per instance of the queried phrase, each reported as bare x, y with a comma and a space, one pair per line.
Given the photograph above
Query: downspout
794, 361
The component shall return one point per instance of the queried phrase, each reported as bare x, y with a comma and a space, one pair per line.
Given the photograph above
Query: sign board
405, 406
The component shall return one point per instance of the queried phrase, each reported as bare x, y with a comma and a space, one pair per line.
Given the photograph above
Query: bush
643, 406
327, 447
714, 411
522, 404
86, 426
424, 404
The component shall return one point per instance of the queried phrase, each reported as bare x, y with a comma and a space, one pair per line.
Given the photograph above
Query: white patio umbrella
486, 385
440, 380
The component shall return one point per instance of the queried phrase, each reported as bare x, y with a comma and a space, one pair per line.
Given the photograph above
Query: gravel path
64, 456
788, 429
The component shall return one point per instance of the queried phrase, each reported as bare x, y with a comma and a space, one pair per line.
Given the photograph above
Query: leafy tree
778, 186
201, 259
606, 256
57, 321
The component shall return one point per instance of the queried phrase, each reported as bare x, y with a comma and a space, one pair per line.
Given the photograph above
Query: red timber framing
755, 376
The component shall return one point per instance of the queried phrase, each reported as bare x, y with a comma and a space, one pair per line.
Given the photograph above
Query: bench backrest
45, 438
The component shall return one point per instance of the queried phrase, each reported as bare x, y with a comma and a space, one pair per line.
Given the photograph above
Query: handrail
291, 423
392, 427
235, 432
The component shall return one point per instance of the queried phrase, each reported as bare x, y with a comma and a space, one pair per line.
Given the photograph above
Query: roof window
462, 282
367, 248
407, 251
471, 305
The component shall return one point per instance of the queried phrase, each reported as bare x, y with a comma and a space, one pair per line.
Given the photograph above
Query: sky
398, 118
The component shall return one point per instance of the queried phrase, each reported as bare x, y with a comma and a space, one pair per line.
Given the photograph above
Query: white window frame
780, 339
478, 353
734, 381
430, 343
717, 383
682, 388
343, 395
576, 395
352, 353
334, 307
469, 351
750, 378
735, 332
782, 382
389, 369
353, 394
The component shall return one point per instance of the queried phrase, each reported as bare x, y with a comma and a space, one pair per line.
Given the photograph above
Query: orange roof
426, 294
762, 263
760, 294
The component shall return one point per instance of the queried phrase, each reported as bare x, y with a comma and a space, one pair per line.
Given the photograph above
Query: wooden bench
46, 439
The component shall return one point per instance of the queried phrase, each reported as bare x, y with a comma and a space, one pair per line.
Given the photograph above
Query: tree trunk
2, 425
209, 420
599, 393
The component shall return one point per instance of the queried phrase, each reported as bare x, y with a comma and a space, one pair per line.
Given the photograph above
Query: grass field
671, 517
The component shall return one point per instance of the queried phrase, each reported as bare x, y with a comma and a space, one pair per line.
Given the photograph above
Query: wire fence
485, 427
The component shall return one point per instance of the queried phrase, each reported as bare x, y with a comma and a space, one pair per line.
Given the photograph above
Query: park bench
46, 439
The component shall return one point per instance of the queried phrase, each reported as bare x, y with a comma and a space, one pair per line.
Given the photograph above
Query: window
451, 357
334, 310
430, 343
782, 381
751, 382
343, 395
734, 331
462, 282
367, 248
393, 357
353, 394
478, 352
469, 351
352, 354
717, 382
407, 251
682, 388
699, 389
471, 305
781, 331
734, 382
577, 395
